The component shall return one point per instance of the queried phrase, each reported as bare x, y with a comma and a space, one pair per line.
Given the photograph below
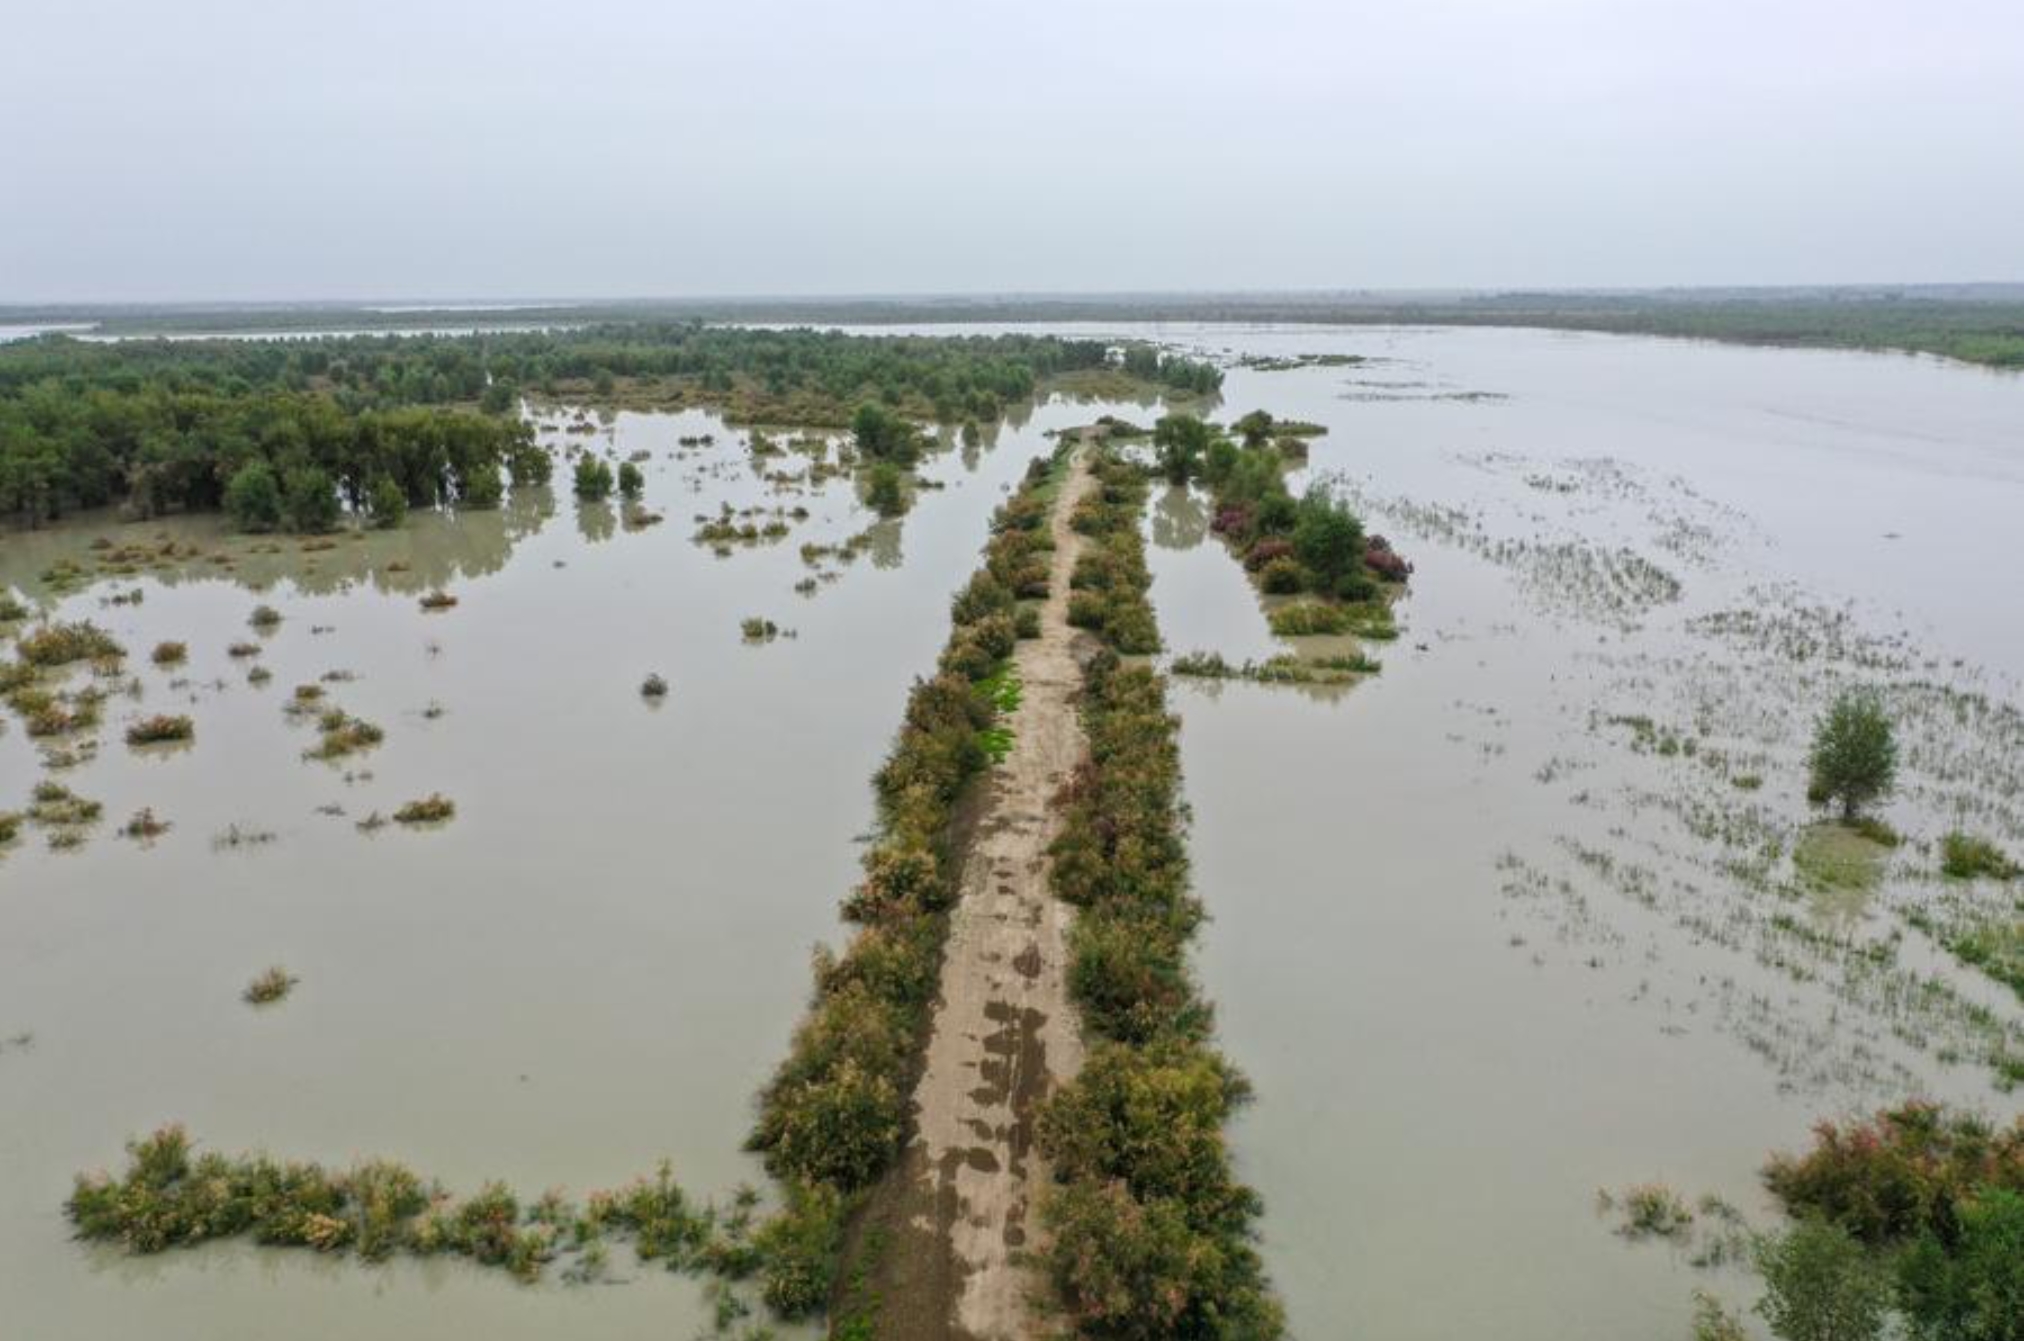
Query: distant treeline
298, 428
1976, 323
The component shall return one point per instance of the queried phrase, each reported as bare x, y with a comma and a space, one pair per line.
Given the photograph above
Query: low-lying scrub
435, 808
271, 986
342, 734
1282, 669
1964, 856
161, 728
1110, 579
1152, 1234
62, 644
438, 600
171, 1196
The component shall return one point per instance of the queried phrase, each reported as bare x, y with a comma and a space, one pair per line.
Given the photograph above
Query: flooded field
1513, 921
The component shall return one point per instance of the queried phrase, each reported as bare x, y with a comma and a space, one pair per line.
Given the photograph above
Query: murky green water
1480, 953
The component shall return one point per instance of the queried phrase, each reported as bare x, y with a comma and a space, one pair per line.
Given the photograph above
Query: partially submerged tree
1854, 757
1821, 1285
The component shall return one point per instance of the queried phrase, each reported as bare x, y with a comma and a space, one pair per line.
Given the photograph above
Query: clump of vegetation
264, 618
342, 734
240, 651
11, 608
55, 806
631, 480
143, 825
271, 986
435, 808
1152, 1235
1964, 856
654, 686
1919, 1209
1111, 578
438, 600
1283, 669
1303, 618
1854, 756
758, 630
160, 728
170, 654
885, 489
593, 479
1651, 1210
58, 644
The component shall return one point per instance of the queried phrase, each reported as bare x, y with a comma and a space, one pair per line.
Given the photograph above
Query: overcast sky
266, 149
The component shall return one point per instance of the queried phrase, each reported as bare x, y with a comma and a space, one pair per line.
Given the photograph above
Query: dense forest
288, 432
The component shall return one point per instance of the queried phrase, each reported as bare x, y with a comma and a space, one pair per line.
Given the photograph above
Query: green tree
1975, 1292
253, 498
883, 435
309, 497
630, 480
1821, 1285
386, 504
1180, 440
1327, 538
1854, 757
883, 489
479, 487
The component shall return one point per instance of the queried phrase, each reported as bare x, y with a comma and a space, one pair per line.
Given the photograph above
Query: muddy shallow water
1482, 948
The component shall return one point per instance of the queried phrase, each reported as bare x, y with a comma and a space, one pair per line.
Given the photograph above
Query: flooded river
1493, 930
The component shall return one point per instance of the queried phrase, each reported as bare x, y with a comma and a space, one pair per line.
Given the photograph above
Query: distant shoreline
1973, 323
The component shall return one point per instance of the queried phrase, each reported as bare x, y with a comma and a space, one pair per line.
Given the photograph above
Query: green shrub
62, 644
1973, 1291
1966, 857
593, 479
885, 489
253, 498
309, 500
160, 728
1282, 577
1900, 1174
387, 504
631, 481
798, 1248
1303, 618
1820, 1285
479, 488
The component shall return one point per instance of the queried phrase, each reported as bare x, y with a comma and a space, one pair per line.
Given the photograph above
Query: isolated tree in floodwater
1854, 757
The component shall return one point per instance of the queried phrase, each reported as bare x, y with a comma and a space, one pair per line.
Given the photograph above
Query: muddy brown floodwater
1507, 923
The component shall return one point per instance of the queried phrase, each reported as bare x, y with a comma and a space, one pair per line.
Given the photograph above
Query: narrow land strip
959, 1209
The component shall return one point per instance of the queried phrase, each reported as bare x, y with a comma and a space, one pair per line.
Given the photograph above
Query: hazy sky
188, 149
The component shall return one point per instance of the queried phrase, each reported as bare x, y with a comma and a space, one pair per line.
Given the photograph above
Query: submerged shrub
1303, 618
435, 808
593, 479
170, 654
62, 644
159, 728
271, 986
1966, 857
